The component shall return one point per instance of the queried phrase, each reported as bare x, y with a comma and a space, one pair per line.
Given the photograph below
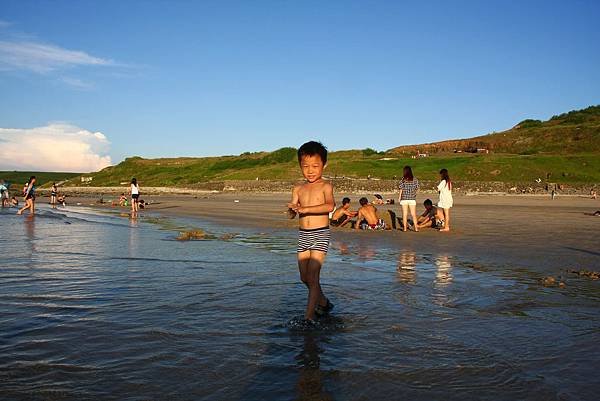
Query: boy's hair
363, 201
428, 202
313, 148
345, 201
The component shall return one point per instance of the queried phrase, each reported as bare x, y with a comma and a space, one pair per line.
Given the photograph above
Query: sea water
95, 306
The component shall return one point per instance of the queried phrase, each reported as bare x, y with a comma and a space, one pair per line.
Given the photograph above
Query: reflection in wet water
310, 377
443, 274
105, 307
407, 272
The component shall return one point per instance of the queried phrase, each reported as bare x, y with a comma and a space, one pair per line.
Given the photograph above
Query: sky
85, 84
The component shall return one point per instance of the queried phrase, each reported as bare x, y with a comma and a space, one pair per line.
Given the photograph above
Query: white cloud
43, 58
4, 24
55, 147
77, 83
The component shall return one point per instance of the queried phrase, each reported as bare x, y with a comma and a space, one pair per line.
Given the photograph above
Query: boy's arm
293, 204
327, 206
359, 218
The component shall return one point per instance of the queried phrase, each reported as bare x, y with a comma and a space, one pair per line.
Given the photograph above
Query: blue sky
187, 78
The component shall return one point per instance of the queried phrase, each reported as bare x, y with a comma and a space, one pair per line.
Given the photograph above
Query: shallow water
96, 306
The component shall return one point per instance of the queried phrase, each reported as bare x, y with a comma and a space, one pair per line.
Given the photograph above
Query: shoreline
521, 231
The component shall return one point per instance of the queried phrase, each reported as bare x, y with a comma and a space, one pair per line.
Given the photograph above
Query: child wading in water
313, 201
29, 194
446, 201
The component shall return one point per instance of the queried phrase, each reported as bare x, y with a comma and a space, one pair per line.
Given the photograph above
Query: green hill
563, 149
19, 178
577, 131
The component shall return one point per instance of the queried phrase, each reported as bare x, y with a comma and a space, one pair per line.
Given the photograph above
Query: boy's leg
309, 264
404, 217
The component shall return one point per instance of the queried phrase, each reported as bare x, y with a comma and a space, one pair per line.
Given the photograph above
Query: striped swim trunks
314, 239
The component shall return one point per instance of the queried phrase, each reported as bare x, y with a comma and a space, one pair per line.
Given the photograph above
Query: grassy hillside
19, 178
466, 167
564, 149
577, 131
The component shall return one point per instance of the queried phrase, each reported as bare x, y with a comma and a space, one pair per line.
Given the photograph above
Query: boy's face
312, 167
346, 206
428, 207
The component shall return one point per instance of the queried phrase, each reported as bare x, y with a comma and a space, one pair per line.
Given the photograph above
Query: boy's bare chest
311, 195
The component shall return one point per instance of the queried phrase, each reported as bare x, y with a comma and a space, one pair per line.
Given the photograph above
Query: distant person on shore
593, 193
29, 196
342, 215
313, 201
432, 216
446, 201
409, 185
123, 200
53, 194
134, 190
378, 200
4, 196
62, 200
368, 219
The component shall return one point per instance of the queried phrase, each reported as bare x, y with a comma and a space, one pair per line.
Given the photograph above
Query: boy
342, 216
431, 217
368, 218
313, 201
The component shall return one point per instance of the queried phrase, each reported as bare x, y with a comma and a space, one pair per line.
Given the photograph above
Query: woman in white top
135, 194
446, 201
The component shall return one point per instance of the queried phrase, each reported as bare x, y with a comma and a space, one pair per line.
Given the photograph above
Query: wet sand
549, 236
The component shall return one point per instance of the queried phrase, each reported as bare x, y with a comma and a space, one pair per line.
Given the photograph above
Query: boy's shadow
310, 384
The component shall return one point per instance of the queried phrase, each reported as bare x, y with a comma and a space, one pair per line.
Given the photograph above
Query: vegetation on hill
564, 149
19, 178
577, 131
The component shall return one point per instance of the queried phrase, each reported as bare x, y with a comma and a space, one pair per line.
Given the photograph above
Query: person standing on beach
408, 197
313, 201
29, 196
53, 193
134, 190
446, 201
4, 196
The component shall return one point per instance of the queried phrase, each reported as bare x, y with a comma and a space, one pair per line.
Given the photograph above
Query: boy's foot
445, 229
323, 310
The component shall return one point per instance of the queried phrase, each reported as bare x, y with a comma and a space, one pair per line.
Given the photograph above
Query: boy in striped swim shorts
312, 201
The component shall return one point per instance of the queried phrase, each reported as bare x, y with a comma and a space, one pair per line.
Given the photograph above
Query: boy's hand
292, 210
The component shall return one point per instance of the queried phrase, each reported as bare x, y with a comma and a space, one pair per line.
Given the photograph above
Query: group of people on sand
313, 202
367, 216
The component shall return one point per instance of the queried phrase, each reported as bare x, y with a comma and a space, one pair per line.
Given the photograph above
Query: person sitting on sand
368, 218
378, 200
14, 202
597, 213
123, 200
432, 216
61, 200
343, 215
